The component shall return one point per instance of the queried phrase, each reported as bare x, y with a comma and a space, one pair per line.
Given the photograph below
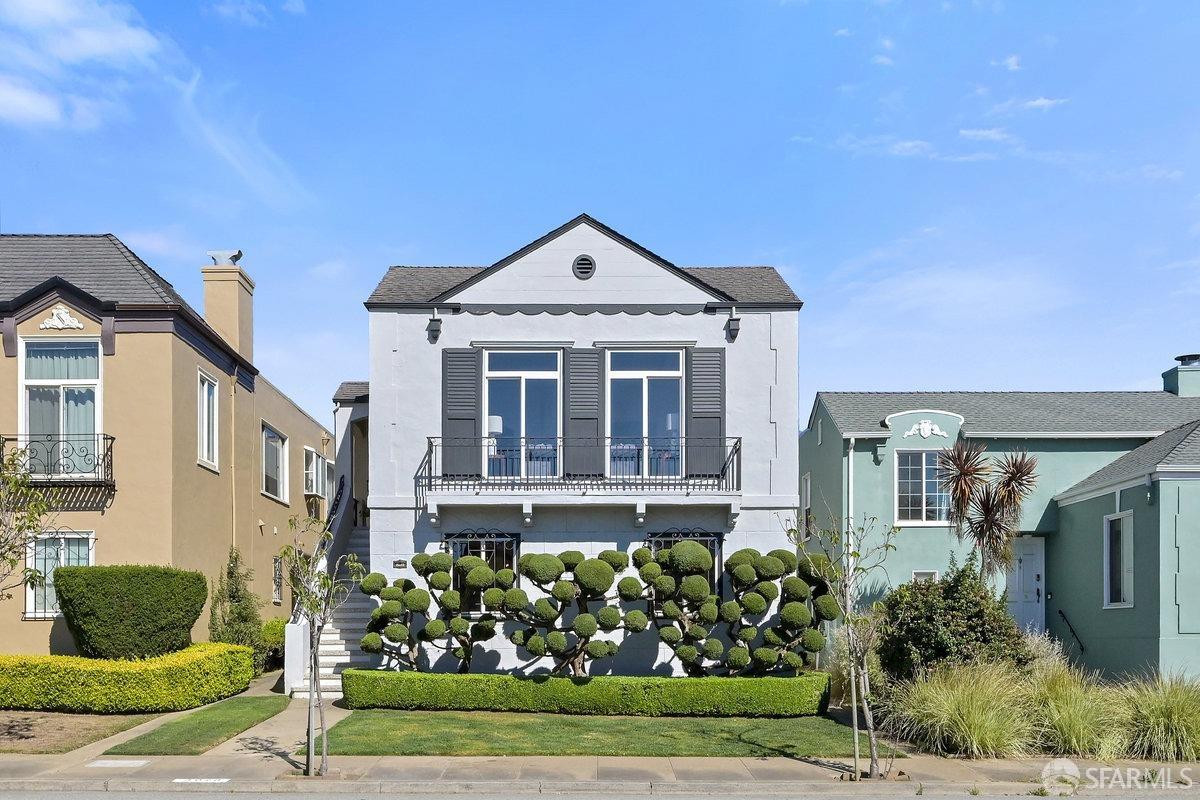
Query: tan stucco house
160, 440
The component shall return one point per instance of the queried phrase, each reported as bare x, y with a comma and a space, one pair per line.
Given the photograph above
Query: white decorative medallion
926, 428
60, 319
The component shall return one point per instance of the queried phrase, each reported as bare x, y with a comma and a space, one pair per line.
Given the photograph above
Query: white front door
1026, 583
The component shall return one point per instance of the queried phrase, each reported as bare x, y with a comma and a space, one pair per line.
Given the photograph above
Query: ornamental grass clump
1076, 713
980, 710
1162, 718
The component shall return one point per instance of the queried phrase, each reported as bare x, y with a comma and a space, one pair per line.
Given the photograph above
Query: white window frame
523, 375
318, 487
1127, 556
202, 432
645, 375
96, 384
931, 575
805, 500
330, 480
914, 523
283, 462
30, 559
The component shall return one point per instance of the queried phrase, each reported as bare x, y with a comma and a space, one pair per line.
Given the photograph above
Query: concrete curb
521, 788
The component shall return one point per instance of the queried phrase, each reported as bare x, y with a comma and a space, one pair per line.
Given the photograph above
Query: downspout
233, 455
850, 486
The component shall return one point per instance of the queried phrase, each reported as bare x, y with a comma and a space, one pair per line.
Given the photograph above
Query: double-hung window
497, 548
61, 397
206, 420
274, 464
920, 496
316, 473
50, 551
645, 423
522, 405
1118, 560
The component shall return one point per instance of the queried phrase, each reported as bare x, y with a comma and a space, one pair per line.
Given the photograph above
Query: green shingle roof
1177, 448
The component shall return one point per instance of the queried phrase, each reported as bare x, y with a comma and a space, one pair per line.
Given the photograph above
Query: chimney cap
222, 257
1189, 360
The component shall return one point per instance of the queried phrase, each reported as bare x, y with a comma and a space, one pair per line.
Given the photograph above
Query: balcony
63, 459
569, 465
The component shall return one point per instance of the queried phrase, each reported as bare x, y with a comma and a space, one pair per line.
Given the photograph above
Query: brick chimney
1183, 380
229, 300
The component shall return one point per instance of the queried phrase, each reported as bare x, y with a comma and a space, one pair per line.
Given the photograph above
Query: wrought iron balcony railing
64, 458
548, 464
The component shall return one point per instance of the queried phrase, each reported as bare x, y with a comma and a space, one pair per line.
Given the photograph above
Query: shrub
274, 632
374, 583
1076, 714
130, 611
200, 674
804, 695
233, 617
956, 619
1163, 719
981, 710
595, 577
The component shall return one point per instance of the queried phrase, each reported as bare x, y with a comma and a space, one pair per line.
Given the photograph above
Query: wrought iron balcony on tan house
61, 459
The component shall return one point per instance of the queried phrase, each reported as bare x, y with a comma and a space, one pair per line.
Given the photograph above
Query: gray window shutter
583, 413
705, 434
462, 387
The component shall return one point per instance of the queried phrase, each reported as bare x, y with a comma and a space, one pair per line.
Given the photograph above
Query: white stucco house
581, 393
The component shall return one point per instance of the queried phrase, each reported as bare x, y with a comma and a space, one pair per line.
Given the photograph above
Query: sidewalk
263, 760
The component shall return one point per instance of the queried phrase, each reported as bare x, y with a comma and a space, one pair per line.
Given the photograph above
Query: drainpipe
233, 455
850, 486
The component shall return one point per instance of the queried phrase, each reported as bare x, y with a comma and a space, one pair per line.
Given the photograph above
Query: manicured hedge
802, 695
193, 677
130, 611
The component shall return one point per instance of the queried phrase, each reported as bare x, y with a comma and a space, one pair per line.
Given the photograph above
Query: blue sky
967, 195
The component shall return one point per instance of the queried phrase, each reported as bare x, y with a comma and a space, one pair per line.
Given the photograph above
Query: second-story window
645, 398
274, 461
521, 414
206, 420
920, 496
61, 388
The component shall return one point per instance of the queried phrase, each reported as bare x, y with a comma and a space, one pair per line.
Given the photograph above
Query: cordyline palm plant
986, 498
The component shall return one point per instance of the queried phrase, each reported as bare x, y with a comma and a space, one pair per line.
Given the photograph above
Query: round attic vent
584, 267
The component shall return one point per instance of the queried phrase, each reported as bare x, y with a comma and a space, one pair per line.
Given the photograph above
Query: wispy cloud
1031, 104
882, 60
295, 7
889, 145
842, 32
68, 63
250, 13
1012, 63
243, 150
986, 134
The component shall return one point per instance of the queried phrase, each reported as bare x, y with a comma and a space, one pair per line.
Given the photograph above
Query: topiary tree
233, 617
573, 583
410, 617
689, 614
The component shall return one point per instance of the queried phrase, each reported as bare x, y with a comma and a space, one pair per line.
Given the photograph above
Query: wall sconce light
433, 328
732, 327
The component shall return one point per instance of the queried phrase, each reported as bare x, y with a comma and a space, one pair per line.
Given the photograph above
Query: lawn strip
204, 729
378, 732
60, 732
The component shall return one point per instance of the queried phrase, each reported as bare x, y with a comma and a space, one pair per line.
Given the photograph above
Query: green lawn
380, 732
203, 730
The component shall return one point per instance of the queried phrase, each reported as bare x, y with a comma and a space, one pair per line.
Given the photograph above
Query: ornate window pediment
61, 319
926, 428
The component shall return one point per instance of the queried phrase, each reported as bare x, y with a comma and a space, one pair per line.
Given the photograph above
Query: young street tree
318, 587
25, 514
847, 559
986, 498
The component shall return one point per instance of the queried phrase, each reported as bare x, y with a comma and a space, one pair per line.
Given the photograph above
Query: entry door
1026, 583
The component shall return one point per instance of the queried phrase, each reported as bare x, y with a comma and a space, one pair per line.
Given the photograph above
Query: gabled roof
351, 392
423, 285
1062, 413
1178, 448
98, 264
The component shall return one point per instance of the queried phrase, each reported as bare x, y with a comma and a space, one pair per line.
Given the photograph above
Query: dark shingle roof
351, 392
1178, 447
1019, 412
423, 284
98, 264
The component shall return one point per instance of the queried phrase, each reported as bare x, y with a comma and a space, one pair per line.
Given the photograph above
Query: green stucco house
1109, 554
